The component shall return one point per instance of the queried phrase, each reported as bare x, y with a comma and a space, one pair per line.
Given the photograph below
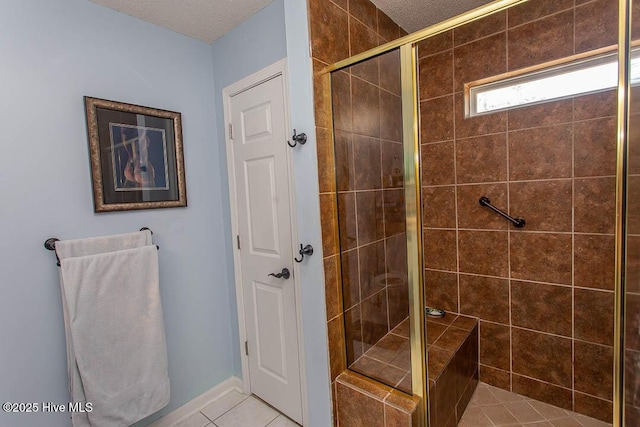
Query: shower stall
472, 176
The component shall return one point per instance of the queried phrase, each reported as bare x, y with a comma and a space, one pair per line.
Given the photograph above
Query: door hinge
246, 348
238, 240
230, 131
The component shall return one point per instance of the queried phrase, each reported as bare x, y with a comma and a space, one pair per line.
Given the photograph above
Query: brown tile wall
359, 183
543, 294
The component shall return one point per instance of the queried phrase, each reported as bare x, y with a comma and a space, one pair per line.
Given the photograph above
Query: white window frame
543, 73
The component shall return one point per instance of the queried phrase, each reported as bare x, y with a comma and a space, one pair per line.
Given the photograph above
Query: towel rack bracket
50, 244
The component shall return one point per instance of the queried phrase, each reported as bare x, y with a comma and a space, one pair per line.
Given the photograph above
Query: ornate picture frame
136, 154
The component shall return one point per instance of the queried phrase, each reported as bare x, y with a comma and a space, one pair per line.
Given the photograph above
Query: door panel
256, 123
264, 222
262, 206
268, 306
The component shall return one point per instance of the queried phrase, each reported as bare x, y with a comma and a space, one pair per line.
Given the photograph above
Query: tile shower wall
339, 29
543, 294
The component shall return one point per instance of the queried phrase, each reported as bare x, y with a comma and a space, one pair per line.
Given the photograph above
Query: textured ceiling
204, 20
207, 20
414, 15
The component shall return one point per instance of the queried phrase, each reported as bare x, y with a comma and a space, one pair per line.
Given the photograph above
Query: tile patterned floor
237, 410
491, 406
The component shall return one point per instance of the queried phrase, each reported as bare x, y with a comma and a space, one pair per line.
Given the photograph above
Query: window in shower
594, 73
367, 122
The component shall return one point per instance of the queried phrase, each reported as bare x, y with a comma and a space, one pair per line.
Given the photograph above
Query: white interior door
258, 138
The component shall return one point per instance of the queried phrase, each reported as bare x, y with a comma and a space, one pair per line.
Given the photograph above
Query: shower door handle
284, 274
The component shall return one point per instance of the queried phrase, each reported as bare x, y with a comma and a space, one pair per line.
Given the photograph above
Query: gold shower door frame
412, 179
624, 65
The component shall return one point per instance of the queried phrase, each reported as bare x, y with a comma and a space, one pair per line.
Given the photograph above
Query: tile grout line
508, 29
365, 190
364, 392
377, 86
529, 233
233, 407
373, 242
532, 408
564, 285
517, 181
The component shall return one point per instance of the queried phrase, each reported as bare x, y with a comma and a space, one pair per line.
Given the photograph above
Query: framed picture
136, 156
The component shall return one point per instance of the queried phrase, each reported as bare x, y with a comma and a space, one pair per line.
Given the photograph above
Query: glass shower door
632, 259
367, 113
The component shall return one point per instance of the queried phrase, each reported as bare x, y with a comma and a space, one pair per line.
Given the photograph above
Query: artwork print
139, 157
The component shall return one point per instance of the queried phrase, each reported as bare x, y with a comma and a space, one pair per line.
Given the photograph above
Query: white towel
116, 336
81, 247
102, 244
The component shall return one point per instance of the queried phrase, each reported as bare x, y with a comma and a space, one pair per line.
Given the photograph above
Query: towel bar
50, 243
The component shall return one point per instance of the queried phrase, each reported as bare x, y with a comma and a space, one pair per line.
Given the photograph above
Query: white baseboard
193, 406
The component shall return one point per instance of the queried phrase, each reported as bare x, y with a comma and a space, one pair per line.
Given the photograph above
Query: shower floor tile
491, 407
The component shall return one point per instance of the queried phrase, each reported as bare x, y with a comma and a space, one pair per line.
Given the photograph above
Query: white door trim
274, 70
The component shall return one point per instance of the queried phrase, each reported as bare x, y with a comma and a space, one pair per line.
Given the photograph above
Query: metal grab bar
518, 222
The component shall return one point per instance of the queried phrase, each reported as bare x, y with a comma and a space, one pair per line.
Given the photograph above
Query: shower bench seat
452, 349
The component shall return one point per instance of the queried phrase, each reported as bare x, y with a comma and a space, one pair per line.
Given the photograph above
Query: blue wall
254, 44
278, 31
305, 171
54, 53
